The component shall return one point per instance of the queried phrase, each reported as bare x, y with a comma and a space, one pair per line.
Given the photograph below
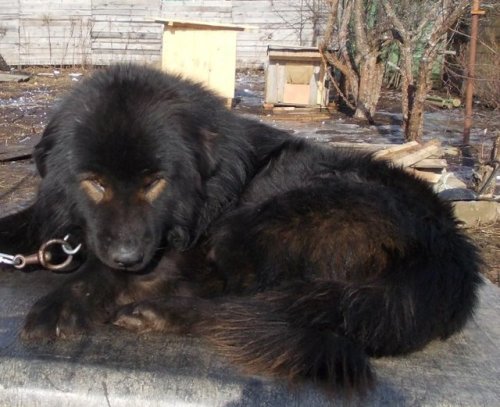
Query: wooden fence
99, 32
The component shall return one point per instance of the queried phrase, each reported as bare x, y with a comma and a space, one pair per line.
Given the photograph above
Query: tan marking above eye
154, 188
95, 190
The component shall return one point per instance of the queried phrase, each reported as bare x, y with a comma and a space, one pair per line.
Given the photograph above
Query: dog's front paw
51, 318
141, 317
66, 313
178, 315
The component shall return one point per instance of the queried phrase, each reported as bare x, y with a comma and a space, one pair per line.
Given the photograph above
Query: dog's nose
125, 257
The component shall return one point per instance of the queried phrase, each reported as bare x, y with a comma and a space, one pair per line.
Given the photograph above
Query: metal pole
469, 91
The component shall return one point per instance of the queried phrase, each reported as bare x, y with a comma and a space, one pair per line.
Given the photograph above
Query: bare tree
337, 27
305, 17
359, 31
422, 23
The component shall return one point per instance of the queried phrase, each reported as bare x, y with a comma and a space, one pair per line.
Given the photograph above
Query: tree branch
398, 24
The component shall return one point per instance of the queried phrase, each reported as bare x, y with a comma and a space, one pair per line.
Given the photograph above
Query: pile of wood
447, 103
422, 160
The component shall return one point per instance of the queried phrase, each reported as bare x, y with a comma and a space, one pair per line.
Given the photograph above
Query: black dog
292, 259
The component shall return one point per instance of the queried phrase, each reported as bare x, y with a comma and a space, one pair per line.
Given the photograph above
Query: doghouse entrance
297, 89
295, 77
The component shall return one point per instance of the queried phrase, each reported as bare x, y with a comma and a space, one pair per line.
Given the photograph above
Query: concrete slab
10, 77
115, 368
475, 213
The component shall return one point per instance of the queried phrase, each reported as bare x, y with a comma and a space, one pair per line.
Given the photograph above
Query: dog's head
123, 218
131, 163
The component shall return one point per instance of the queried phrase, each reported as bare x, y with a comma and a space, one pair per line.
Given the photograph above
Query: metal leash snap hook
45, 256
68, 249
19, 261
7, 259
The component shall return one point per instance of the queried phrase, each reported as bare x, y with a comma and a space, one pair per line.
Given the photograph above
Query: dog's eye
94, 188
154, 187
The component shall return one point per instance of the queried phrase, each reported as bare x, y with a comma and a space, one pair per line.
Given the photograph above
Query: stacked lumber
422, 160
447, 103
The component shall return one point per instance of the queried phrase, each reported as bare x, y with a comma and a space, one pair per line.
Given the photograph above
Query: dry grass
487, 239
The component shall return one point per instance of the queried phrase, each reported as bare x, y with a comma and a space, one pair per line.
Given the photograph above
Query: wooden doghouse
203, 52
295, 76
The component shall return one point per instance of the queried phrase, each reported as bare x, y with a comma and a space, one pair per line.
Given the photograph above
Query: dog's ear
180, 238
43, 148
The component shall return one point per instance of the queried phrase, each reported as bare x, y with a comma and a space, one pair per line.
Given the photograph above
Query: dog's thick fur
293, 260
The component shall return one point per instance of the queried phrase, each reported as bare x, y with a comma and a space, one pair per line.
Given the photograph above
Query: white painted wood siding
74, 32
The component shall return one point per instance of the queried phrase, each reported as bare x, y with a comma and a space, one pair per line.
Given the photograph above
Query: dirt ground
25, 108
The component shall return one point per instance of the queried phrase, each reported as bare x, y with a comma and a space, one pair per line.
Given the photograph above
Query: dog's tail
325, 331
277, 335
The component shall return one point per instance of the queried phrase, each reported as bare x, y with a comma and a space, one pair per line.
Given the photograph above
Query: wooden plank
199, 25
425, 151
115, 19
198, 9
396, 149
291, 55
126, 27
18, 151
431, 177
20, 154
296, 94
431, 163
271, 92
56, 44
136, 36
304, 118
114, 4
123, 14
359, 146
129, 45
104, 58
281, 80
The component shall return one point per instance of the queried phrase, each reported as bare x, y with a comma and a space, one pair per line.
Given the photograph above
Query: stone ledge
475, 213
116, 368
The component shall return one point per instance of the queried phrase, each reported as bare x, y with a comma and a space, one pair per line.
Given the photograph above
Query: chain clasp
43, 256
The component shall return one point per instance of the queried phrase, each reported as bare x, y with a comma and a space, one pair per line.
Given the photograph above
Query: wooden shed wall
52, 32
73, 32
124, 30
9, 29
277, 22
